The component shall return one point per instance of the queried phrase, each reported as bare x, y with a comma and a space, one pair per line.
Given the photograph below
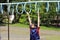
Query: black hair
34, 24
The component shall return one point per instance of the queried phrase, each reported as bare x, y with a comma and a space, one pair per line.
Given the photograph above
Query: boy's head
34, 25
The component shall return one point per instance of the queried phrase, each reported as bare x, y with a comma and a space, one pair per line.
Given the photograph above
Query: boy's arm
38, 18
29, 18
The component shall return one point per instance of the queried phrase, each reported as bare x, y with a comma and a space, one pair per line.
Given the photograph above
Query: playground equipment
23, 8
1, 8
57, 7
11, 16
24, 5
47, 6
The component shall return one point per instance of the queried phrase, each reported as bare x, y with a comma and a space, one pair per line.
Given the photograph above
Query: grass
53, 37
46, 36
50, 28
41, 27
19, 25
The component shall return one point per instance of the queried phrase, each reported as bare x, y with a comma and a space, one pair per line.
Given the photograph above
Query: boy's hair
35, 24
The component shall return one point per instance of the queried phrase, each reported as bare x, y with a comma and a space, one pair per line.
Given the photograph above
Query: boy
34, 29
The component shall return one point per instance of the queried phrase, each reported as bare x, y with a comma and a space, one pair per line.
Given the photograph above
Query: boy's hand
27, 13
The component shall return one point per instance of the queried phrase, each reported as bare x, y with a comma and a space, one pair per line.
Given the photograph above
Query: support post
8, 18
8, 25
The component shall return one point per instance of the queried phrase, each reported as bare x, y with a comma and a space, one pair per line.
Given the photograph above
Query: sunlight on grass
46, 36
19, 25
53, 37
49, 28
41, 27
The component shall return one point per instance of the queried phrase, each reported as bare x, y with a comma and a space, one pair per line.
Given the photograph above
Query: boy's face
33, 26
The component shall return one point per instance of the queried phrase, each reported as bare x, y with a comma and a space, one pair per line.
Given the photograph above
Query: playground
22, 33
19, 29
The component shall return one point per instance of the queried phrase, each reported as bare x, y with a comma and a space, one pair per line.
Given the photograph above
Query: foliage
45, 17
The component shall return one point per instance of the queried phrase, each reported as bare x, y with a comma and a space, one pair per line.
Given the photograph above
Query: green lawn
50, 28
20, 25
46, 36
41, 27
53, 37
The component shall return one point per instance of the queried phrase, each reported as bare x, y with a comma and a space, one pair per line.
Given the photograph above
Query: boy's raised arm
38, 18
29, 18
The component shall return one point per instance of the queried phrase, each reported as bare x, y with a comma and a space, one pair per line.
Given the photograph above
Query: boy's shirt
34, 31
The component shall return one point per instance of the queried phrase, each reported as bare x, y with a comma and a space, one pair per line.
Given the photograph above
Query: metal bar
8, 9
26, 2
24, 7
1, 8
17, 9
47, 8
8, 22
44, 1
8, 29
58, 6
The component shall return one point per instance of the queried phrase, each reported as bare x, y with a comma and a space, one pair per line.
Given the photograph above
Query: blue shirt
34, 33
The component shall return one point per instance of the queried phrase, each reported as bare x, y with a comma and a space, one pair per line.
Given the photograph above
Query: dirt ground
19, 33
